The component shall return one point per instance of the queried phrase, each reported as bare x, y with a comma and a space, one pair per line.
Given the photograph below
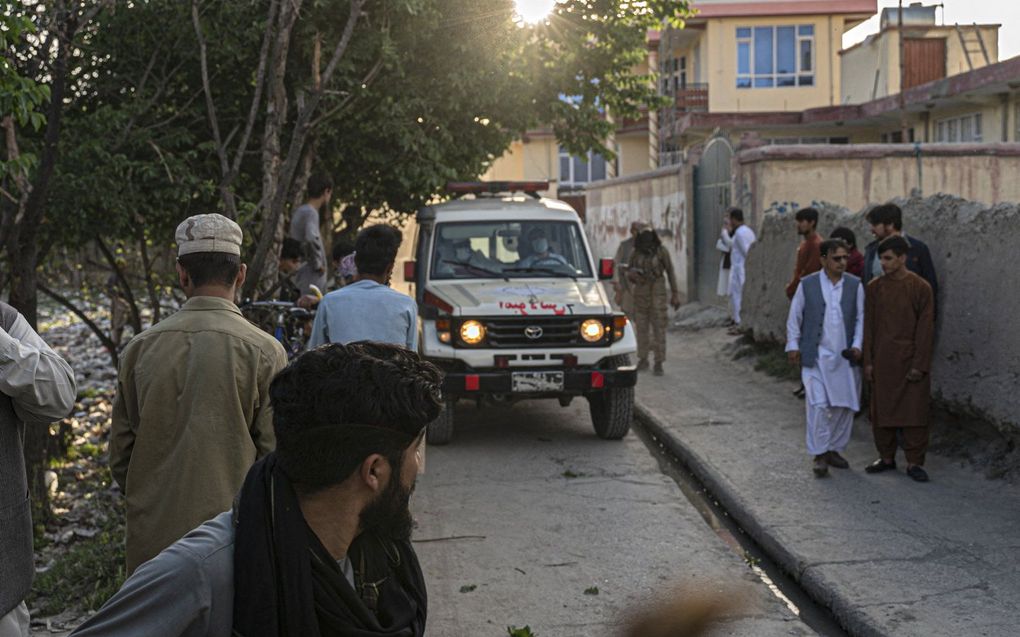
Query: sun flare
533, 11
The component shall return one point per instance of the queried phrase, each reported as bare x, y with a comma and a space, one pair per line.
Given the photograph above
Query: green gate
712, 184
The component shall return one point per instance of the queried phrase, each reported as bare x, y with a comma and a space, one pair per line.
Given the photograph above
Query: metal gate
711, 199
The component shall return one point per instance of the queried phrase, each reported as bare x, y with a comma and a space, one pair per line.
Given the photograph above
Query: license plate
537, 381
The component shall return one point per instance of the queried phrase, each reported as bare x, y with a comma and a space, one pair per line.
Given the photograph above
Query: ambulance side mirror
607, 268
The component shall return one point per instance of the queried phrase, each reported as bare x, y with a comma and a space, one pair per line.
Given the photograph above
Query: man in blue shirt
368, 309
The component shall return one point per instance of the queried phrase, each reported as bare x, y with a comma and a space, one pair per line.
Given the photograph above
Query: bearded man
318, 541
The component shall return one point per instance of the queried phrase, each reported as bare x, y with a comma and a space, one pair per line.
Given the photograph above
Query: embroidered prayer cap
208, 233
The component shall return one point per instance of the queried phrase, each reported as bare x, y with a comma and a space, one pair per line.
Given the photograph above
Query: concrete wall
659, 198
775, 178
859, 66
977, 354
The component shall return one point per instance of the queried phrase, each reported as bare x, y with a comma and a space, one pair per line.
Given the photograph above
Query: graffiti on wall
659, 201
783, 207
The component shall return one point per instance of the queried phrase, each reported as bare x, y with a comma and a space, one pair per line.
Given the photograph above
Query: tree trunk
279, 169
23, 297
150, 276
22, 236
21, 246
276, 118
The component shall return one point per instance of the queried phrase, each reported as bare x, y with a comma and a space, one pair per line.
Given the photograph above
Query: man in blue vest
824, 335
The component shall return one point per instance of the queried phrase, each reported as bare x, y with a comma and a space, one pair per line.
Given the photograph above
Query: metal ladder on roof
967, 45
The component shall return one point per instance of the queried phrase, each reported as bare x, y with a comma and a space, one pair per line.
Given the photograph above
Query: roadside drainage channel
816, 616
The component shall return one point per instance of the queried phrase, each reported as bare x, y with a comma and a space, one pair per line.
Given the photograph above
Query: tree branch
365, 81
345, 40
111, 348
10, 215
210, 105
256, 98
150, 284
122, 283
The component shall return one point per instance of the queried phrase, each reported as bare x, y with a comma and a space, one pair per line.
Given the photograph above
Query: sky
1004, 12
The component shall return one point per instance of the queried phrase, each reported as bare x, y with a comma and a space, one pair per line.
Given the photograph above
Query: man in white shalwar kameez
824, 335
743, 239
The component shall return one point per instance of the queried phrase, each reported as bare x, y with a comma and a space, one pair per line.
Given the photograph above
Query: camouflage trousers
650, 304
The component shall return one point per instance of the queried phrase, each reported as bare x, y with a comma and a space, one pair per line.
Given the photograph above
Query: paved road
888, 555
532, 539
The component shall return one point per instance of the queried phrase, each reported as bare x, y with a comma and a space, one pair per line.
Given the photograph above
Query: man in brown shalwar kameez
899, 328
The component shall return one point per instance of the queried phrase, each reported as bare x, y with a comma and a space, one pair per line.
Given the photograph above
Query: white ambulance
512, 306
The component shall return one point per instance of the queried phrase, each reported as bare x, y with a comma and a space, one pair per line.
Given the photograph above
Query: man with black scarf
318, 542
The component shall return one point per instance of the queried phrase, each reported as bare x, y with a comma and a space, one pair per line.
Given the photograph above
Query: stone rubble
80, 508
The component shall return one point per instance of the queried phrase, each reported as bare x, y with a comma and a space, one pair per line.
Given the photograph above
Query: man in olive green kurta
192, 409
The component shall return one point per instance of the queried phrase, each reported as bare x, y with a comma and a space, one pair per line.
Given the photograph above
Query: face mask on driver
463, 254
540, 245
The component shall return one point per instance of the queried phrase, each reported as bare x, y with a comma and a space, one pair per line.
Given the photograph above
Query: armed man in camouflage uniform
650, 265
621, 286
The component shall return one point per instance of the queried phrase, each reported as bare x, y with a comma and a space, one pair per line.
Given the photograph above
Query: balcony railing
692, 98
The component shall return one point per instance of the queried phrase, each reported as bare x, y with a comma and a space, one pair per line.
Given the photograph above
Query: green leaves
595, 53
138, 148
21, 97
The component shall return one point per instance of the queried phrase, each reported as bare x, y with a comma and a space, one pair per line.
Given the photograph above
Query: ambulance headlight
472, 332
593, 330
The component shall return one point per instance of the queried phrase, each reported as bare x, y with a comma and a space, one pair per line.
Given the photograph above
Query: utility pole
903, 101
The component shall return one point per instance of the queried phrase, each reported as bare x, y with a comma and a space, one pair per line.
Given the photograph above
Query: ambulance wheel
613, 409
440, 430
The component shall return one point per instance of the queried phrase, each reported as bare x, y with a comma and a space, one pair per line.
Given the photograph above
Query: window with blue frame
770, 57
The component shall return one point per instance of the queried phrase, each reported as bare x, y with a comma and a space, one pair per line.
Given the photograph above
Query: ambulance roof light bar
478, 188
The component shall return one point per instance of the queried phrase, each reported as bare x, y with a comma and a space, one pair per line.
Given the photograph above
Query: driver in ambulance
541, 254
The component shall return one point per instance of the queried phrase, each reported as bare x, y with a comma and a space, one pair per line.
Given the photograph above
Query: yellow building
743, 59
816, 110
871, 69
758, 56
774, 71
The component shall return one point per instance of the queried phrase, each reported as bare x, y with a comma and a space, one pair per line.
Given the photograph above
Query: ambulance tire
613, 409
440, 430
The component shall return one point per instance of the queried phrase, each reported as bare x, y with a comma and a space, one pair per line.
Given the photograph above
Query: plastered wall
973, 245
776, 178
658, 197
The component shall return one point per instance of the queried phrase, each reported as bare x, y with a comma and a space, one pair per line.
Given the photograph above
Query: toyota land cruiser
512, 306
